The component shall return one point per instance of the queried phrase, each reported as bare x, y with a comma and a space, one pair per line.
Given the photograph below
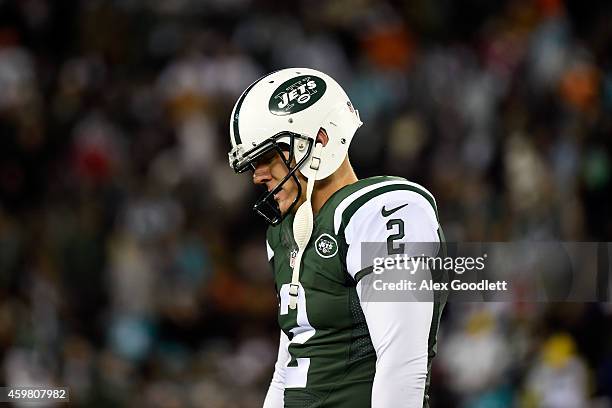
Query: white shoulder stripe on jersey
351, 198
269, 250
359, 226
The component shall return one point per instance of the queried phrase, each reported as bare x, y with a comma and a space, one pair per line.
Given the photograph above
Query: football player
292, 128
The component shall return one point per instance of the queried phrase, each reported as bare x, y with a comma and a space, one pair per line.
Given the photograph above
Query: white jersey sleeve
369, 224
276, 391
399, 330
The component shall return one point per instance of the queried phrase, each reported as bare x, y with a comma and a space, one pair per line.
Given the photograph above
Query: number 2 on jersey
297, 374
391, 248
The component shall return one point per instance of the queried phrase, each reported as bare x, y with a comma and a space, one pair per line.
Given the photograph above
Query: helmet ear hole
322, 137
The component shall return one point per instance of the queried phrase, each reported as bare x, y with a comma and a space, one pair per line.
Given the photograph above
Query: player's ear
322, 137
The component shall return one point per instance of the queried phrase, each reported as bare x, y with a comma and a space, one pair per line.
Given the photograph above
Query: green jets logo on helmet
326, 246
296, 94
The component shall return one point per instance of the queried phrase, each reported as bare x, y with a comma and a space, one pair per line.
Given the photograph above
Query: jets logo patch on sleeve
326, 246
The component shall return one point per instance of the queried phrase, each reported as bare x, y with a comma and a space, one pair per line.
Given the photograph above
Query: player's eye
266, 158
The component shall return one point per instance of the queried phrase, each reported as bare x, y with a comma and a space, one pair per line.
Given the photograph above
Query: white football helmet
284, 110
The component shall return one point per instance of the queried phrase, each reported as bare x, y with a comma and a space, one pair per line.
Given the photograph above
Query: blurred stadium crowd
131, 267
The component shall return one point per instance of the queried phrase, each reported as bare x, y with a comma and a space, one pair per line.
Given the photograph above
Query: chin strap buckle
315, 162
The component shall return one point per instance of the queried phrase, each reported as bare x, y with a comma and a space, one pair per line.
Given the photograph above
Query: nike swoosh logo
386, 213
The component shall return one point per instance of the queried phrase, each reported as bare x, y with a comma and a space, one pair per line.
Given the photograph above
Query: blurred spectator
559, 379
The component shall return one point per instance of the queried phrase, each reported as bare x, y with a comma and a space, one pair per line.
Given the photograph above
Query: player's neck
324, 189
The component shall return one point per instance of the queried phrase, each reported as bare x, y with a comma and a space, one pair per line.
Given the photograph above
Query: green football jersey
332, 359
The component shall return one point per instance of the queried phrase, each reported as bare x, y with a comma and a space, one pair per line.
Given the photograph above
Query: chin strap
303, 223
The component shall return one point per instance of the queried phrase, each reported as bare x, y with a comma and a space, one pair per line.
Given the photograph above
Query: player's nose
261, 175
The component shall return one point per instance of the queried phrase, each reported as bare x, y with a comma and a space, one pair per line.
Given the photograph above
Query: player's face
269, 171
